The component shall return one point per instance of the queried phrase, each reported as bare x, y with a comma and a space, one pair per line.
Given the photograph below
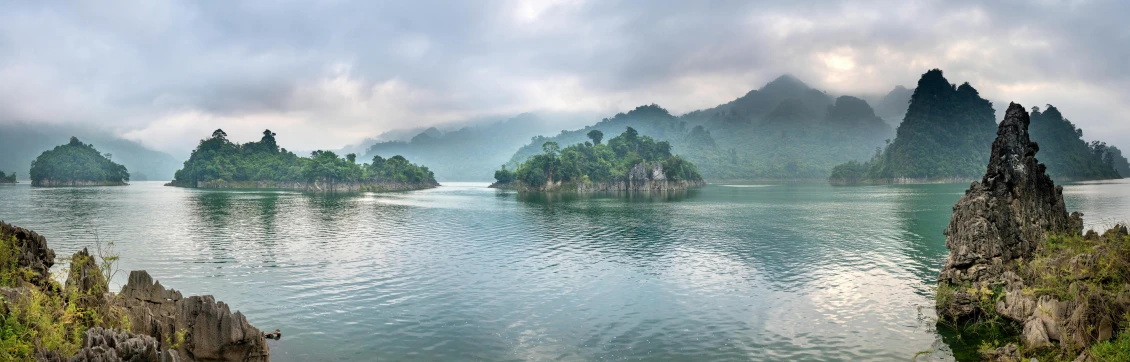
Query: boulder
198, 327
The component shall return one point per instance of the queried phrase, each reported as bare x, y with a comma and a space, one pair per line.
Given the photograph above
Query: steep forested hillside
1064, 151
21, 143
944, 135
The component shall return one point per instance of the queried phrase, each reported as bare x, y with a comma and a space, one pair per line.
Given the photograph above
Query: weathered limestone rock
34, 255
201, 328
1004, 217
109, 345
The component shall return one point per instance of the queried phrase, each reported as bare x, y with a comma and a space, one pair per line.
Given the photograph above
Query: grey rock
34, 254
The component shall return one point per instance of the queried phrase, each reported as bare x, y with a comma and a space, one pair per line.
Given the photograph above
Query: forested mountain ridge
22, 143
1066, 154
942, 137
784, 130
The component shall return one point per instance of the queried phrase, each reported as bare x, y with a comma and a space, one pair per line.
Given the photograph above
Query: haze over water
775, 272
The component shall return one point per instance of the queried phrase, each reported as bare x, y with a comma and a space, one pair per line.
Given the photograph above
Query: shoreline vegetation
1022, 281
76, 164
42, 319
628, 162
220, 164
6, 178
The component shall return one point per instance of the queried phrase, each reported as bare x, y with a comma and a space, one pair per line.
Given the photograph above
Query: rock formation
33, 255
106, 345
201, 328
1009, 212
1016, 253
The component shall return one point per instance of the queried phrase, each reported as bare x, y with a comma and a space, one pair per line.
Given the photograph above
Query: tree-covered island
6, 178
219, 163
76, 164
628, 162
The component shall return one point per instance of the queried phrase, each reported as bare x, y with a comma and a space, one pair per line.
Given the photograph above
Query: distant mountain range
22, 143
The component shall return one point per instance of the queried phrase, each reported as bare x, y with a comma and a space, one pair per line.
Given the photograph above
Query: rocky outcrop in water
201, 328
315, 186
1014, 207
1017, 255
33, 254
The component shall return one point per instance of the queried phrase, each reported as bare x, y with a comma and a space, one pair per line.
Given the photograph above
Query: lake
464, 272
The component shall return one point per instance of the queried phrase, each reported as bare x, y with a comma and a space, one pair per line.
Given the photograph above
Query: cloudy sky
324, 75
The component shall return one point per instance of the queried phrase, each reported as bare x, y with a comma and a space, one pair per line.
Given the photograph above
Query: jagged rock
202, 328
85, 276
1007, 353
1005, 216
108, 345
34, 255
1035, 334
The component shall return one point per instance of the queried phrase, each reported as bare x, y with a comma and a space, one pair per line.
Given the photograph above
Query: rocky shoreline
642, 177
74, 183
143, 322
317, 186
1020, 268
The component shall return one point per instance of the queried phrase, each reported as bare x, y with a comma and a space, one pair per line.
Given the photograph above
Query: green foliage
1064, 151
1117, 349
589, 162
50, 318
946, 133
5, 178
76, 162
217, 159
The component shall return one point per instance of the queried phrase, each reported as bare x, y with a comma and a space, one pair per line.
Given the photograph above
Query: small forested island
1068, 156
6, 178
629, 162
76, 164
219, 163
1022, 281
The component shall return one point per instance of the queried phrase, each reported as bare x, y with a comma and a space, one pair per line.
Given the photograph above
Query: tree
550, 148
595, 136
220, 134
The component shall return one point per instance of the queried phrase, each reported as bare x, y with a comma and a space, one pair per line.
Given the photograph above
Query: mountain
22, 143
1066, 154
470, 153
892, 107
784, 130
943, 135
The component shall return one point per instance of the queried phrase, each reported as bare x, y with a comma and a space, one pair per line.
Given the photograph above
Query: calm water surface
462, 272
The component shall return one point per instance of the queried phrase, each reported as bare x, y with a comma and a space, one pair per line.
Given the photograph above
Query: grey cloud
130, 64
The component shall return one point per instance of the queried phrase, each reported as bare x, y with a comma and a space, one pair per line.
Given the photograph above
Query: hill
1066, 154
21, 143
76, 164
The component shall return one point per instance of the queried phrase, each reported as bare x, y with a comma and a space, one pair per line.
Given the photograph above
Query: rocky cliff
1017, 257
144, 322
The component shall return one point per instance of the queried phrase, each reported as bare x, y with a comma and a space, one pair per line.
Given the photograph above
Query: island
218, 163
629, 162
76, 164
1022, 281
6, 178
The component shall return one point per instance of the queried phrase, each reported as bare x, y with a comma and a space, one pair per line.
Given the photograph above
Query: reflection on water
772, 272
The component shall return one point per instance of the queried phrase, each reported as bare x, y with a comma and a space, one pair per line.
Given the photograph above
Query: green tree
595, 135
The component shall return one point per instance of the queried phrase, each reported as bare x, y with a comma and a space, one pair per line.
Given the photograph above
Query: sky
328, 74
